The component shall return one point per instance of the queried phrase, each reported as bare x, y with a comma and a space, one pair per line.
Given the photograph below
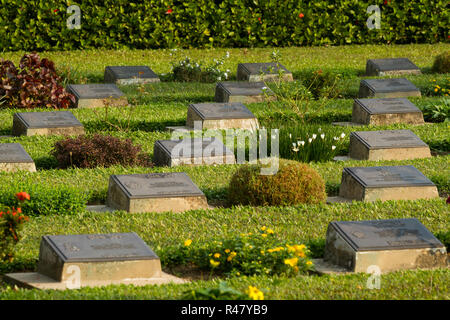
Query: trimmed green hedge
41, 24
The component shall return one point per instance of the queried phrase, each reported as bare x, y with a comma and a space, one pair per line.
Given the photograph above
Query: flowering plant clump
245, 254
309, 144
11, 220
437, 111
439, 88
189, 70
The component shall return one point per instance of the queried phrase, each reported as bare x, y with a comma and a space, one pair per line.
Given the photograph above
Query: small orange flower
301, 15
22, 196
169, 11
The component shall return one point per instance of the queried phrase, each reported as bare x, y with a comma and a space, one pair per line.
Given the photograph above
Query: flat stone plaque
155, 192
392, 66
389, 176
390, 245
124, 75
100, 247
241, 91
388, 88
97, 95
13, 153
221, 116
46, 123
386, 183
197, 151
387, 145
268, 71
386, 111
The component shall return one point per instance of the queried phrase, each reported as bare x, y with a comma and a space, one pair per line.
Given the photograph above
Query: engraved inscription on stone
390, 85
155, 185
387, 235
389, 139
389, 176
387, 105
243, 88
13, 153
103, 247
193, 148
217, 111
56, 119
130, 72
95, 91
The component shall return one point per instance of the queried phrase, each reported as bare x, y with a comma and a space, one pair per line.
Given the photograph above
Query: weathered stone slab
155, 192
197, 151
387, 145
386, 111
221, 116
390, 245
392, 66
386, 183
93, 260
388, 88
124, 75
268, 71
46, 123
13, 157
242, 91
97, 95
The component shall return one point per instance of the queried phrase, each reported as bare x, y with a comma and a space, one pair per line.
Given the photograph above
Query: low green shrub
11, 221
244, 254
221, 292
442, 63
444, 237
322, 84
437, 111
98, 151
293, 183
34, 84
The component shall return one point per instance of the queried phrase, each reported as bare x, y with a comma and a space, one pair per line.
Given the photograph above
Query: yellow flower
263, 228
301, 254
262, 251
264, 235
292, 262
254, 293
231, 256
275, 249
217, 255
227, 250
188, 242
214, 263
309, 263
436, 90
269, 231
296, 269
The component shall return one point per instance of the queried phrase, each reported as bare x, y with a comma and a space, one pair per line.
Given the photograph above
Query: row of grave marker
92, 260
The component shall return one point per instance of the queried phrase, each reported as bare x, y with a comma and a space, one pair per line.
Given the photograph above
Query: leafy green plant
11, 221
189, 70
444, 237
98, 151
437, 112
34, 84
293, 183
322, 84
221, 292
441, 63
244, 254
310, 144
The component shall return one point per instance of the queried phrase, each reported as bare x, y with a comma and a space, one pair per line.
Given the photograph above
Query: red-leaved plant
34, 84
11, 220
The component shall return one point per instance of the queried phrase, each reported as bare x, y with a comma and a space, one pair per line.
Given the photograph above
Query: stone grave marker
154, 192
386, 183
124, 75
97, 95
392, 66
386, 111
269, 71
387, 145
242, 91
390, 245
221, 116
71, 261
46, 123
387, 88
13, 157
197, 151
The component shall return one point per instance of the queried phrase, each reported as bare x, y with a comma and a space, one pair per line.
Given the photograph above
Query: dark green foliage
442, 63
98, 151
444, 237
294, 183
437, 112
41, 25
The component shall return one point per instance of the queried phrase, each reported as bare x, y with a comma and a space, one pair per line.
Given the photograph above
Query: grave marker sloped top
217, 111
95, 91
387, 105
13, 153
55, 119
389, 139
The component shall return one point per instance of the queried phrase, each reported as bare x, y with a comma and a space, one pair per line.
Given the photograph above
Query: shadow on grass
147, 126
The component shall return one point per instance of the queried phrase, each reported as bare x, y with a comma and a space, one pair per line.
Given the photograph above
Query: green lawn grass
166, 104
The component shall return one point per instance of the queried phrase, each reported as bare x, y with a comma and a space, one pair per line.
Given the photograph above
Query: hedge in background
41, 24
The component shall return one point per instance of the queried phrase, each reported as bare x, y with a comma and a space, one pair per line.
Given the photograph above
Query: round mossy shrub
294, 183
442, 63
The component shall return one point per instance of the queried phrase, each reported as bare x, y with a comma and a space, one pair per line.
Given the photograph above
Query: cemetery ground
155, 106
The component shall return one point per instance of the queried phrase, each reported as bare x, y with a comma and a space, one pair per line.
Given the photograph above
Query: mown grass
164, 104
